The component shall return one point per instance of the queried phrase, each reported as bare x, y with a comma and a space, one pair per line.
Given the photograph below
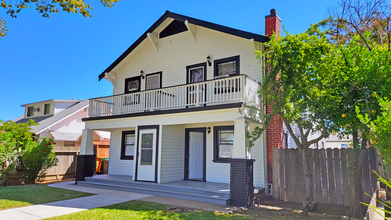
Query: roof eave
168, 14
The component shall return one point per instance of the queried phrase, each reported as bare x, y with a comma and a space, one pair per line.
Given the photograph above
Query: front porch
217, 193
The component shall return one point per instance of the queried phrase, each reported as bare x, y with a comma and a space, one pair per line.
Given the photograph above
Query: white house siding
172, 153
72, 124
258, 152
116, 165
178, 51
215, 172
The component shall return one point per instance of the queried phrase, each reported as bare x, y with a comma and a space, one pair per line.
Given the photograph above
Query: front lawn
146, 210
18, 196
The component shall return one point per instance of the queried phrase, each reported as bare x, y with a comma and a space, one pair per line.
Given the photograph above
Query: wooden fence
332, 172
66, 166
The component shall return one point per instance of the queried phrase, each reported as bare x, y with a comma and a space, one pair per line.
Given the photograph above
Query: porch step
179, 192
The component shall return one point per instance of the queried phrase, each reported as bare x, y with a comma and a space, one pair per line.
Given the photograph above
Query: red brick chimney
272, 23
275, 131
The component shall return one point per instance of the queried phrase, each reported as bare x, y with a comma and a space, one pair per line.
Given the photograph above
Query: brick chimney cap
273, 13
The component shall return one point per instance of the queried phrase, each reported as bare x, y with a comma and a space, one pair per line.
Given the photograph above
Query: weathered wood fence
66, 166
332, 171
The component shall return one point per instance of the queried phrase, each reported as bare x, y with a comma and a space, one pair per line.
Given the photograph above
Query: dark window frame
44, 109
150, 74
30, 113
228, 59
216, 158
131, 79
123, 148
195, 66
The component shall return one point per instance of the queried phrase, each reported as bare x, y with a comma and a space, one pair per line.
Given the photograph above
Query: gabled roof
50, 121
55, 101
168, 14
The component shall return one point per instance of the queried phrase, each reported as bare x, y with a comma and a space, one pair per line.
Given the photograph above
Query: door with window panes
147, 155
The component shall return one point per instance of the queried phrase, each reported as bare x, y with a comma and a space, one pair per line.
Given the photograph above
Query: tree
14, 138
13, 7
302, 67
37, 159
380, 129
362, 31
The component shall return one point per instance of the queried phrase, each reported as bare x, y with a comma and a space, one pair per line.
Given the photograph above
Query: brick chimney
272, 23
275, 131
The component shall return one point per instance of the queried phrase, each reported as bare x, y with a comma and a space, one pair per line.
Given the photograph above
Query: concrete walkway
103, 197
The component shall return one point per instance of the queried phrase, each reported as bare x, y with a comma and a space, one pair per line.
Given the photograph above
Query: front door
147, 155
195, 150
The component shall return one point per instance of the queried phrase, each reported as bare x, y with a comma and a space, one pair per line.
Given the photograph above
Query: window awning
65, 136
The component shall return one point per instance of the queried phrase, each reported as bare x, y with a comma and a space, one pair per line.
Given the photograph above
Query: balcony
220, 91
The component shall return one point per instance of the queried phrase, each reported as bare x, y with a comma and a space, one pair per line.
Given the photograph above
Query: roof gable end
182, 18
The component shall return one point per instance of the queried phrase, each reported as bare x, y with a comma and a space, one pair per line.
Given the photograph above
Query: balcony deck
229, 90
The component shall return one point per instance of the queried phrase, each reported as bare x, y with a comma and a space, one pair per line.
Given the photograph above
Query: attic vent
174, 27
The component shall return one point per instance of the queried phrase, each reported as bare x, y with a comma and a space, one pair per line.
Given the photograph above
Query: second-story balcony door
196, 93
153, 99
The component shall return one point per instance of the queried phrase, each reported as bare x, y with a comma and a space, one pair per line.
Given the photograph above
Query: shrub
9, 155
37, 159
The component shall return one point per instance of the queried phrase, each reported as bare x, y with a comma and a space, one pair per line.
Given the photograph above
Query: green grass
18, 196
144, 210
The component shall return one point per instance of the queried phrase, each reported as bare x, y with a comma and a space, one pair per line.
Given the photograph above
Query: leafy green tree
20, 132
47, 7
362, 30
9, 155
37, 159
380, 129
302, 67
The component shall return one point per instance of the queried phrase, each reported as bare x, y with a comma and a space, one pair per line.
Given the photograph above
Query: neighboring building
333, 141
61, 120
184, 96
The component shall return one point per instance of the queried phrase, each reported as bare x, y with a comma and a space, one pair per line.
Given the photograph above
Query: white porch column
240, 146
87, 145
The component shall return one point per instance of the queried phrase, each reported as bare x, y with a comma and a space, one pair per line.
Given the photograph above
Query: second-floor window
30, 111
46, 109
226, 67
153, 81
132, 84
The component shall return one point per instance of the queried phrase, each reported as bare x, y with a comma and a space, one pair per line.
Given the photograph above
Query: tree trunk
309, 204
358, 211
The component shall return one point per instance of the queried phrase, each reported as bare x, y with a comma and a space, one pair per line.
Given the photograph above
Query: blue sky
61, 57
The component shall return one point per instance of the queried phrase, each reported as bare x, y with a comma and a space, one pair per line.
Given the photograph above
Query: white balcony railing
212, 92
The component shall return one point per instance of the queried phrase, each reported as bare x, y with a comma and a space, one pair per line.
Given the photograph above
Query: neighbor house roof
52, 120
55, 100
36, 119
178, 17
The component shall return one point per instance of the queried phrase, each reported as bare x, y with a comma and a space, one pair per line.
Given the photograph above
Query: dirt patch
181, 209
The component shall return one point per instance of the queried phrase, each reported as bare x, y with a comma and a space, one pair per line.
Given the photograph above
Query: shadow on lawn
149, 210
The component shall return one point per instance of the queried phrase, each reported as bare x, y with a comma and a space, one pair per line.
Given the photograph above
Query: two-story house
185, 94
61, 120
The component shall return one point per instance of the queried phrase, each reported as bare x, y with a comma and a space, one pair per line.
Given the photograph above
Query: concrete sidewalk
102, 198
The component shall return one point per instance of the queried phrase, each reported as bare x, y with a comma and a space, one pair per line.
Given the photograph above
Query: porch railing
212, 92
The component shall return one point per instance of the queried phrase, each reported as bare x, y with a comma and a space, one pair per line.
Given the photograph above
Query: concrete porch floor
223, 188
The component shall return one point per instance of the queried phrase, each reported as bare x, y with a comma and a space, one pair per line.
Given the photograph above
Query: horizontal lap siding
173, 151
215, 172
258, 153
178, 51
116, 165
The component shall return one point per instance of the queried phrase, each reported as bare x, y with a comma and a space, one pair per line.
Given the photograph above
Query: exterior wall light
208, 59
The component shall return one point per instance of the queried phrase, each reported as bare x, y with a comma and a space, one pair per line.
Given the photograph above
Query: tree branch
288, 126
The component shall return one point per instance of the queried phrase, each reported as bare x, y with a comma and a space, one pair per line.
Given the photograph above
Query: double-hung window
127, 147
223, 143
